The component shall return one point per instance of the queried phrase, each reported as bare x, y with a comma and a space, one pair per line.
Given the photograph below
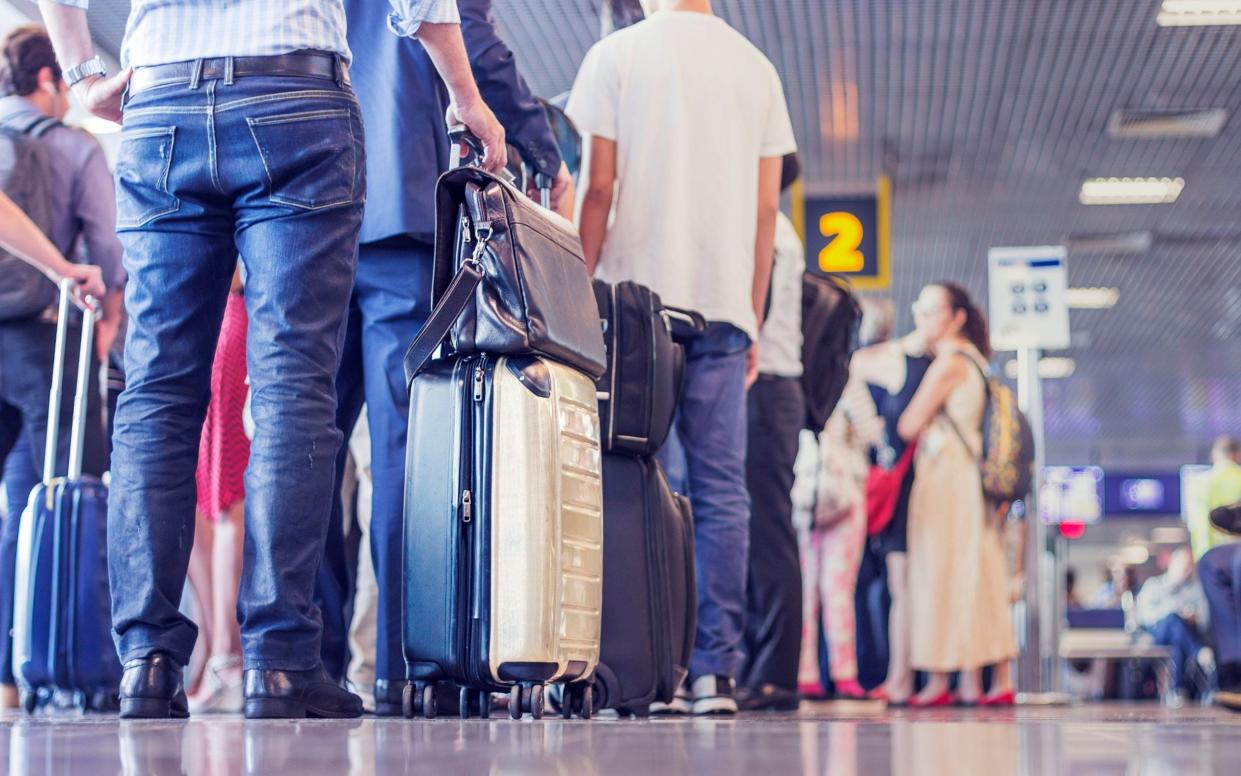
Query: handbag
883, 491
509, 279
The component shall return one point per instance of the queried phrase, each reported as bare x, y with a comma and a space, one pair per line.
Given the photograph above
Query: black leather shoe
388, 697
151, 688
297, 694
1227, 519
767, 697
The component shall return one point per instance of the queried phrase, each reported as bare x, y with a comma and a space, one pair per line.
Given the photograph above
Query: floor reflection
830, 740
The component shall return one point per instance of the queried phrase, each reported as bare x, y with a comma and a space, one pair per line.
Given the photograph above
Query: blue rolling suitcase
62, 634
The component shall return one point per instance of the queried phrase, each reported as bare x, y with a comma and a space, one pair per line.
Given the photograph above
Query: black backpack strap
40, 126
456, 298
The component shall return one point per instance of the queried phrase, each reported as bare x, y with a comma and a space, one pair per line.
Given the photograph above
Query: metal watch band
92, 66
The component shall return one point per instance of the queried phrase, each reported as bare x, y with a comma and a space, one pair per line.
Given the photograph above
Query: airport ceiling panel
988, 115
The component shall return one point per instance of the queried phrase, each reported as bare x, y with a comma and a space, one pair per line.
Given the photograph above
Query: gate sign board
1029, 308
848, 236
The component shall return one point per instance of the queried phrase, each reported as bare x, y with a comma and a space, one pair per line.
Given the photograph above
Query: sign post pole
1029, 314
1036, 660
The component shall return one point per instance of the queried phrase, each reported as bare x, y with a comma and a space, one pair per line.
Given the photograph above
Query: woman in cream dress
959, 586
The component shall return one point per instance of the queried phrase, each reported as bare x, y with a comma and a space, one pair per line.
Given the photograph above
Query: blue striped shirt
163, 31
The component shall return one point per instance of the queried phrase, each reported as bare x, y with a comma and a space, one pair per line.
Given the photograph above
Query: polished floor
836, 739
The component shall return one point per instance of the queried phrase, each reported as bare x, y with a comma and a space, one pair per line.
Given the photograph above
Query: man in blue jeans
241, 136
1220, 572
407, 149
690, 118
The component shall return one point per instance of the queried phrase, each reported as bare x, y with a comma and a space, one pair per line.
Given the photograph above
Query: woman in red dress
215, 562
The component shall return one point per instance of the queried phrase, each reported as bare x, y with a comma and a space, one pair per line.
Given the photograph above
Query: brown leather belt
306, 64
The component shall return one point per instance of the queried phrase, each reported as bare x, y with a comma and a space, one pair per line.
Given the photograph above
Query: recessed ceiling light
1112, 242
1092, 298
1198, 13
1137, 123
1049, 368
1130, 191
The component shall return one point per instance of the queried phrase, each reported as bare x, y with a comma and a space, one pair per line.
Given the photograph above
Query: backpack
830, 316
1007, 459
25, 178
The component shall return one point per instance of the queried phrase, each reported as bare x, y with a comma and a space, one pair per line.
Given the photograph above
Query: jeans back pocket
142, 166
310, 157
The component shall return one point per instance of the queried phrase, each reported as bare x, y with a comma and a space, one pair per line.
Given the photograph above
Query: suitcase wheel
533, 701
425, 693
30, 701
578, 701
407, 702
472, 702
514, 702
419, 699
584, 702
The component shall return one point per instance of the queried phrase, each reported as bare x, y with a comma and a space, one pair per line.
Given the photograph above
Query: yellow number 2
844, 233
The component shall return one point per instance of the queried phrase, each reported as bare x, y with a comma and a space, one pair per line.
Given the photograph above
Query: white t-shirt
692, 106
779, 342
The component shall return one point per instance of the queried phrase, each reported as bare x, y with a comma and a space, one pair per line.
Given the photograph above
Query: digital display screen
1071, 494
1142, 494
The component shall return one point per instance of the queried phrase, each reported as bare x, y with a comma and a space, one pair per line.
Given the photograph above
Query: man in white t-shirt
689, 118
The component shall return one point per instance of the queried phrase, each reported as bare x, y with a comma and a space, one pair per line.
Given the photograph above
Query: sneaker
712, 695
682, 703
220, 689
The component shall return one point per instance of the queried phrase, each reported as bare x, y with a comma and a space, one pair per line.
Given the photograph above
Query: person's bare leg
969, 686
1001, 679
936, 685
225, 578
199, 574
220, 689
900, 682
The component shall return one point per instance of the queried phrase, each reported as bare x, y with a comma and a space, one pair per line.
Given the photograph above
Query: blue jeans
1182, 639
710, 449
391, 300
1219, 570
271, 169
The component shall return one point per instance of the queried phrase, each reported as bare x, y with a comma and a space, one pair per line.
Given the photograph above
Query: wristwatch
92, 66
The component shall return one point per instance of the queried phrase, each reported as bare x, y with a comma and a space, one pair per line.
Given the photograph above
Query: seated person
1220, 572
1172, 608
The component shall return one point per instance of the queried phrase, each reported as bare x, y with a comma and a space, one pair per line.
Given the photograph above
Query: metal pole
1033, 671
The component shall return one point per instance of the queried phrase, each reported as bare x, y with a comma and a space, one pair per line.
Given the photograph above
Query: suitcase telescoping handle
467, 151
78, 432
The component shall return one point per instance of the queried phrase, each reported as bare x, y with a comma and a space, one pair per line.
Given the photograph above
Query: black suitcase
638, 394
650, 603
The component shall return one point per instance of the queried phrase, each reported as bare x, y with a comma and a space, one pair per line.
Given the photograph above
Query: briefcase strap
447, 310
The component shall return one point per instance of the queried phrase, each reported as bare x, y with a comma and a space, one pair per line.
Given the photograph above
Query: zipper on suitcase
467, 506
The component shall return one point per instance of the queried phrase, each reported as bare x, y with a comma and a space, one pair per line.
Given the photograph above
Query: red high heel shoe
1006, 698
946, 698
850, 689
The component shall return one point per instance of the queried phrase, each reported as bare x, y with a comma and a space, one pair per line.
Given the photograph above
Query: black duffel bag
509, 278
638, 393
